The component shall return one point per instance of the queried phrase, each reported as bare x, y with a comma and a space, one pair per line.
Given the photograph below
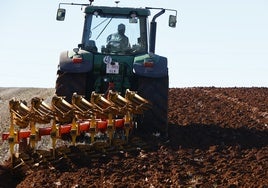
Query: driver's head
121, 29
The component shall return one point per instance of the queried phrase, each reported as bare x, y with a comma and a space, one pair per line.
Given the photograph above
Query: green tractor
117, 53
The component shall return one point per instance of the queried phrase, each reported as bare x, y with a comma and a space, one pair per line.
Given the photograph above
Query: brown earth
218, 137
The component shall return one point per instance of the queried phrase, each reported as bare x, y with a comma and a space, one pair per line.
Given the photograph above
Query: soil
218, 137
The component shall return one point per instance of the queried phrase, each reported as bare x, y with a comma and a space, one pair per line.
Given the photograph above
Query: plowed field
218, 137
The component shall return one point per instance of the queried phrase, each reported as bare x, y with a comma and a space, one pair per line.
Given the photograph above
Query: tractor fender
157, 69
66, 63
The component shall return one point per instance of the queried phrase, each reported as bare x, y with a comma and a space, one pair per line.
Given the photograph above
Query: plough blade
103, 105
119, 101
21, 113
64, 110
83, 108
43, 113
138, 103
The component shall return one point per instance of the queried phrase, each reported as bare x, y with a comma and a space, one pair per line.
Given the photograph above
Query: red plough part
64, 129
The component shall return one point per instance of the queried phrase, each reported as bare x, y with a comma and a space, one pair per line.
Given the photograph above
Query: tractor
108, 87
102, 62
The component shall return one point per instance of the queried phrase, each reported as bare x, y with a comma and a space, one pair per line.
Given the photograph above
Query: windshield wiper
103, 28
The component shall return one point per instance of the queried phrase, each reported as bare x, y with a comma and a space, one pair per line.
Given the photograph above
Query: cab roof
117, 10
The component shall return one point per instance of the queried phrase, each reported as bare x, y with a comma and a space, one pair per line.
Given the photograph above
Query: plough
106, 120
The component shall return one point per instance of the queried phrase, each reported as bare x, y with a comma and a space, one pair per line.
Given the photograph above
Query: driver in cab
118, 42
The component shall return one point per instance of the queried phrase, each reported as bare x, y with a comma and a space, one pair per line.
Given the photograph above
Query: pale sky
221, 43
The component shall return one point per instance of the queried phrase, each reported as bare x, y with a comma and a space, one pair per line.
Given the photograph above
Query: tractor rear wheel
69, 83
154, 120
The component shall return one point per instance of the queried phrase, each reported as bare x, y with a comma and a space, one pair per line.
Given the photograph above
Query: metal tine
121, 102
138, 103
41, 106
103, 105
43, 112
82, 106
61, 104
19, 108
22, 113
117, 99
64, 110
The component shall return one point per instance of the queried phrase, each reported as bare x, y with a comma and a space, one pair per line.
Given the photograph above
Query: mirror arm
74, 4
173, 11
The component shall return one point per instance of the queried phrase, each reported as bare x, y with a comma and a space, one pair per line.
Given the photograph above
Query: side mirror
61, 14
172, 21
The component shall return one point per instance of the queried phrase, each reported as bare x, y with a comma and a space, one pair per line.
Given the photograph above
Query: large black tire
69, 83
154, 120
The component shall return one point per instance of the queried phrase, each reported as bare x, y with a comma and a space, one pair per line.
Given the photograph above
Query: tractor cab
118, 30
106, 31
